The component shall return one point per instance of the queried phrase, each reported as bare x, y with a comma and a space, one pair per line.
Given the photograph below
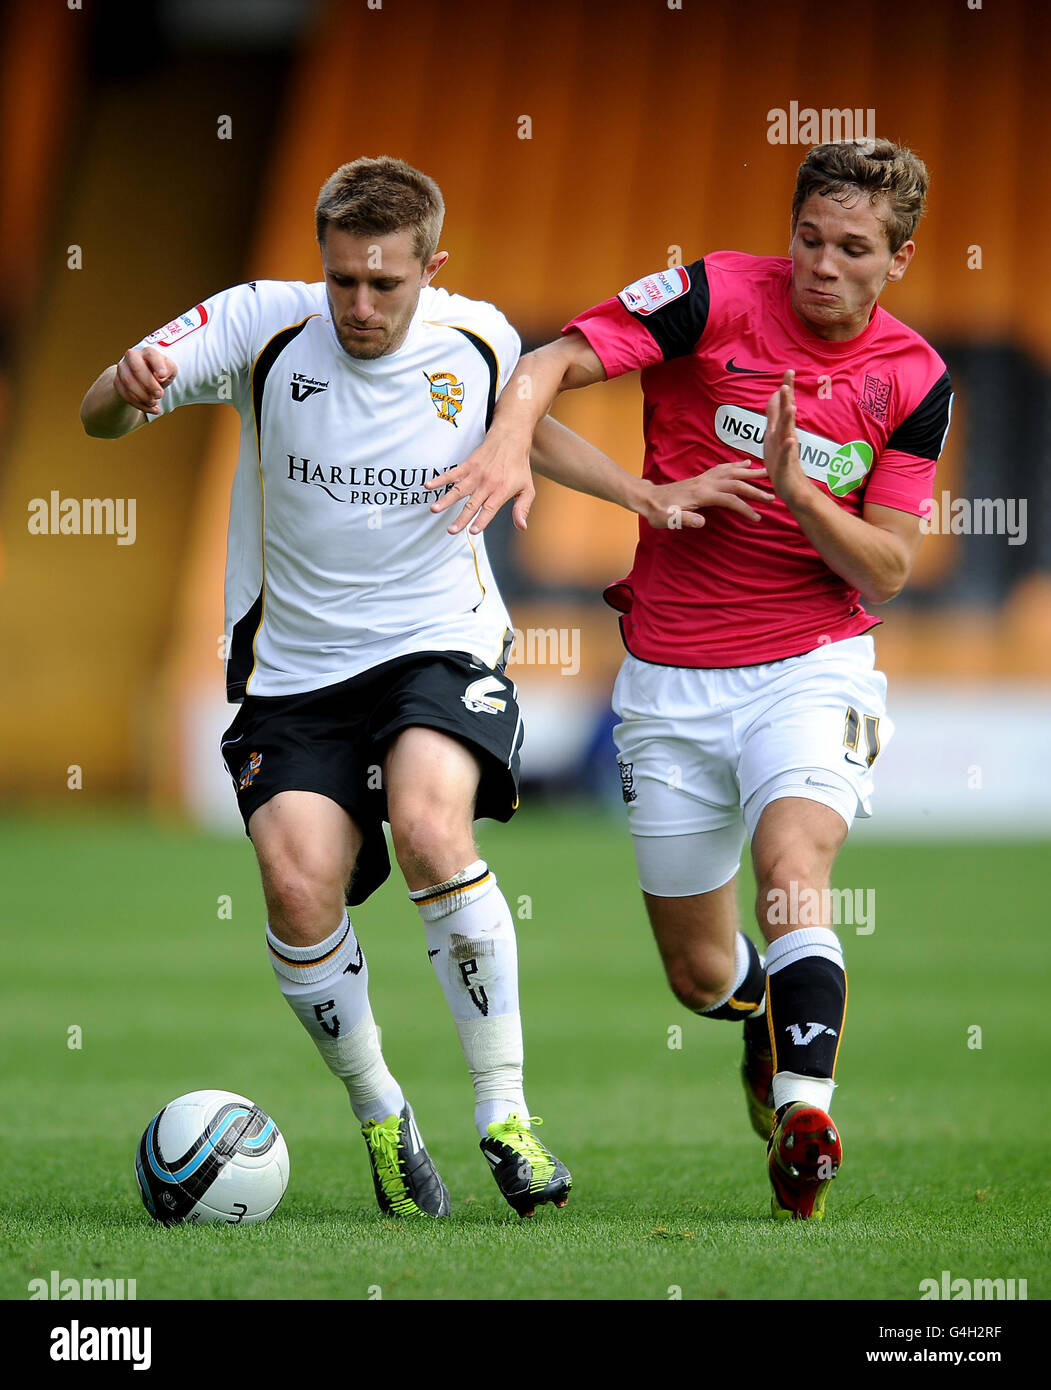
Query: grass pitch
114, 927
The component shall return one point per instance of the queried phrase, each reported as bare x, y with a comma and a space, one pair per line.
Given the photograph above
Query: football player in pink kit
749, 700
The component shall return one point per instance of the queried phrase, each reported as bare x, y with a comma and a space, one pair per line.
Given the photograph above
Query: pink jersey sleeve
901, 481
621, 343
903, 475
652, 320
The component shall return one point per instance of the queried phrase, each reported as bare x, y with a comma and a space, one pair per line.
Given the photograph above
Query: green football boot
527, 1173
406, 1181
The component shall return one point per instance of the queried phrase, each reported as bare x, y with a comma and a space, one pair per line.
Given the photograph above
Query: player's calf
806, 1004
746, 1000
326, 986
472, 947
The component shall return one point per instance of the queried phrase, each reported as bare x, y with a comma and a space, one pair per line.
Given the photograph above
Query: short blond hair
373, 197
873, 167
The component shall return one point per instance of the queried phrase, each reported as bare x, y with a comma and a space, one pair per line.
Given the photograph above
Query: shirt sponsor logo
644, 296
374, 487
303, 387
447, 393
841, 467
178, 329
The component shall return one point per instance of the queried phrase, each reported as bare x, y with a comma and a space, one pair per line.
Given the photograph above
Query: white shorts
707, 750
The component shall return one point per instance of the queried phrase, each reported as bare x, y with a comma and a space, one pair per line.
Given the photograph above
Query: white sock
327, 987
789, 1086
471, 944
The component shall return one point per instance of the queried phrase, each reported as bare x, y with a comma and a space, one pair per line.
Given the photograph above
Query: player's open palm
497, 471
142, 375
678, 506
781, 443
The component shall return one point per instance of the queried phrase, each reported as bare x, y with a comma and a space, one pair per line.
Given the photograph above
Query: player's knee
303, 902
429, 844
700, 980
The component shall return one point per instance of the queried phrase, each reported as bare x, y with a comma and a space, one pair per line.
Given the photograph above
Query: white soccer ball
211, 1156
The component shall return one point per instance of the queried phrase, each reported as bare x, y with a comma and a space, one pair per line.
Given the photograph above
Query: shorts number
852, 734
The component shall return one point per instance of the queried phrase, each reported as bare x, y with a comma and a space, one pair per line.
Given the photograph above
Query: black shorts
333, 741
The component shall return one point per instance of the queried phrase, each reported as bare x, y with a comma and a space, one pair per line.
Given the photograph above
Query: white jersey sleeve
211, 345
215, 343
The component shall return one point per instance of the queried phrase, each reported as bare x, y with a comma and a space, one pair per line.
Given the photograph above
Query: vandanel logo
841, 467
303, 387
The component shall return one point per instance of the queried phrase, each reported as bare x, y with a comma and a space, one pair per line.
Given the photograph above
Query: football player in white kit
366, 644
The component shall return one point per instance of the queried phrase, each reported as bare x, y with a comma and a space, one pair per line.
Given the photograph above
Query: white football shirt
335, 562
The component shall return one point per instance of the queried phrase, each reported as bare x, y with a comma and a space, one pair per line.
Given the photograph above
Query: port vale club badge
447, 395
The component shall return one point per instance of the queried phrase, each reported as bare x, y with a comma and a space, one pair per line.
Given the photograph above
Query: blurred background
153, 154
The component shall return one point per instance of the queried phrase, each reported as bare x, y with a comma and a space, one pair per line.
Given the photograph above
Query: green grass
113, 926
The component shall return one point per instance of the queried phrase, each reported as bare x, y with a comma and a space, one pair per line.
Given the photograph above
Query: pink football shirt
712, 341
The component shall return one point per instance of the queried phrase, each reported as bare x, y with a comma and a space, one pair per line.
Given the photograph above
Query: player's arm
875, 552
499, 468
120, 399
559, 454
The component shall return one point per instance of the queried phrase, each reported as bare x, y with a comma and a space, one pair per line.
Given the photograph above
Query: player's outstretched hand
781, 444
497, 471
675, 505
142, 375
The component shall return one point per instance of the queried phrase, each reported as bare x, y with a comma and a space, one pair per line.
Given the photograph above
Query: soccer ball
211, 1156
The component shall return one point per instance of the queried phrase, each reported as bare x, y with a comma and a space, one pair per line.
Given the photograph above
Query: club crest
247, 775
447, 393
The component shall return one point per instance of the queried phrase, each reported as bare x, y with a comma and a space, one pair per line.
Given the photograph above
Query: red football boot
804, 1156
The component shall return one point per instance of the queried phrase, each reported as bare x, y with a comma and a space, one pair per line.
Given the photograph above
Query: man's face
373, 285
840, 262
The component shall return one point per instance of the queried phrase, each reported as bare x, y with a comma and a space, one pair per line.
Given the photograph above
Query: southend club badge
447, 394
876, 397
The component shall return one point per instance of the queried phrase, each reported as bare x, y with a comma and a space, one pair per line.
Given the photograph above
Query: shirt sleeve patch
178, 329
646, 295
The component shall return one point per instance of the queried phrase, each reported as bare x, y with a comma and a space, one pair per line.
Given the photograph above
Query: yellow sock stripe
842, 1025
449, 892
315, 960
770, 1025
737, 1004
